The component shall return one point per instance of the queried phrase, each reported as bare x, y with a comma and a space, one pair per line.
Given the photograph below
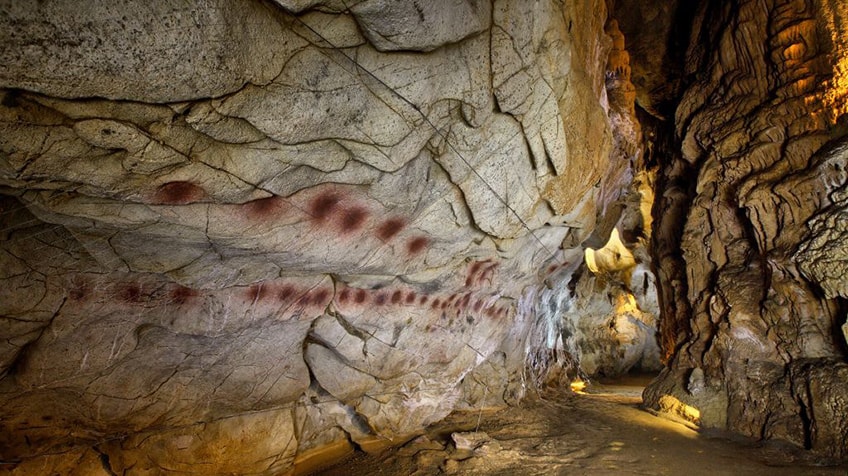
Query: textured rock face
753, 209
233, 235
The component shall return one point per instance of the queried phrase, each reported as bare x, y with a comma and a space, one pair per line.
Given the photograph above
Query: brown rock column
760, 128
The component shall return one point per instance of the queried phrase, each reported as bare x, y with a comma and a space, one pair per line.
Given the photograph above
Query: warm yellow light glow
613, 257
578, 386
672, 405
625, 303
836, 93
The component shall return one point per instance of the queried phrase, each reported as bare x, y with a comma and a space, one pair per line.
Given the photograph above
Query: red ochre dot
423, 299
389, 228
263, 207
380, 299
324, 205
436, 303
396, 296
352, 219
321, 296
416, 245
361, 295
344, 295
410, 298
178, 193
286, 293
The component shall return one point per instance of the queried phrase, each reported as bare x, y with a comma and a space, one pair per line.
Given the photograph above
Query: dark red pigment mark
552, 268
445, 305
380, 300
472, 272
435, 304
258, 292
320, 297
396, 296
304, 300
286, 293
263, 208
344, 295
410, 298
361, 295
389, 228
416, 245
423, 299
178, 193
475, 267
352, 219
487, 273
181, 294
78, 289
322, 206
477, 305
131, 293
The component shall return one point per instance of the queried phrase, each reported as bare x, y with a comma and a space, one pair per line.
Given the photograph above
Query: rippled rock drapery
754, 322
241, 232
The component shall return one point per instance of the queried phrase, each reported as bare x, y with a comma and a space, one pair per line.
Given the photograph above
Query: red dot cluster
333, 209
458, 302
286, 293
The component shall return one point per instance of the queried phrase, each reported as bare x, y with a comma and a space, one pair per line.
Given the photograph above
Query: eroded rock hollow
243, 235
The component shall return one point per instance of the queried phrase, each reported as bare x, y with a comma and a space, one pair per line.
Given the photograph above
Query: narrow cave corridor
271, 237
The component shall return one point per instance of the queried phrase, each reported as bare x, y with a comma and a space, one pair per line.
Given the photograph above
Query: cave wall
750, 224
238, 233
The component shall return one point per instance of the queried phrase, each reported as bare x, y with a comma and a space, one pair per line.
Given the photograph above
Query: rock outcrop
750, 226
238, 237
240, 233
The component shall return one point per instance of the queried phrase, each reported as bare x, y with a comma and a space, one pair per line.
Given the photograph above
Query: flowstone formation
749, 237
238, 234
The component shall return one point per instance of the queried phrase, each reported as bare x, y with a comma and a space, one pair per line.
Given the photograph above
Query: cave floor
600, 432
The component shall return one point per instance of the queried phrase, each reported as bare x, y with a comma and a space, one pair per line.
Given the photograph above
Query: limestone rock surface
235, 234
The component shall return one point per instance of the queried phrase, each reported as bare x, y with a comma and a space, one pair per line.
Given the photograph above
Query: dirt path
602, 432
